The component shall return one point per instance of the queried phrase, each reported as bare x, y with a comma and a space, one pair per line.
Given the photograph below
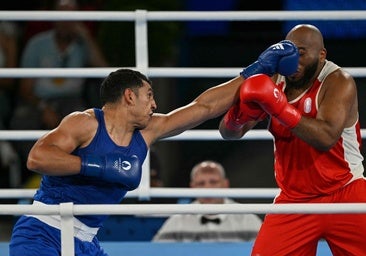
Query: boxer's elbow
34, 161
324, 143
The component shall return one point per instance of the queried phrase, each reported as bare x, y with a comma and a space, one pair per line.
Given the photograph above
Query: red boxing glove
261, 90
240, 113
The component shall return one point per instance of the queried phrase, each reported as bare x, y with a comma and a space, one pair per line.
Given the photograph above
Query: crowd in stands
40, 103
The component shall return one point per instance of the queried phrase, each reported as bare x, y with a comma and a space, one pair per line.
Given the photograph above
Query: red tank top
301, 171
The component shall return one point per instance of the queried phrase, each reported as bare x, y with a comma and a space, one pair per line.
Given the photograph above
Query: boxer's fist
281, 58
261, 90
114, 167
242, 112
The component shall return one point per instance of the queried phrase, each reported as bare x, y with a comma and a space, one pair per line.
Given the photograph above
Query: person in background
9, 33
43, 102
9, 160
155, 168
209, 228
314, 120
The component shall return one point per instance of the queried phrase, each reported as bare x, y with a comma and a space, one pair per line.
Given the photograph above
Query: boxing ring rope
151, 72
183, 15
258, 193
141, 18
68, 210
168, 209
259, 134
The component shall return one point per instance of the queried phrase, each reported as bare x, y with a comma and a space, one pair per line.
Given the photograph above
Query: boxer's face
144, 105
305, 75
310, 62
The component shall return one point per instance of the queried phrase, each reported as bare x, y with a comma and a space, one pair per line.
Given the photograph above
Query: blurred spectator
10, 168
9, 161
8, 59
42, 102
33, 27
155, 178
209, 228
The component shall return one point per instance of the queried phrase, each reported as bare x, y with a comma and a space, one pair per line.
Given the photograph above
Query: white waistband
81, 231
357, 173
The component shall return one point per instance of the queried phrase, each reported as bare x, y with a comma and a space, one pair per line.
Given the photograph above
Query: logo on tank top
307, 105
276, 94
122, 165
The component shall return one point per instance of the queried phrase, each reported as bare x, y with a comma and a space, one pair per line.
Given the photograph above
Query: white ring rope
152, 209
261, 193
183, 15
259, 134
151, 72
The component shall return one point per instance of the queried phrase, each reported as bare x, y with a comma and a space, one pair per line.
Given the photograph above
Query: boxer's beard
309, 73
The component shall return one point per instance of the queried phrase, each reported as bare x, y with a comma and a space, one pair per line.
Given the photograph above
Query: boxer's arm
231, 134
51, 154
212, 103
337, 110
239, 119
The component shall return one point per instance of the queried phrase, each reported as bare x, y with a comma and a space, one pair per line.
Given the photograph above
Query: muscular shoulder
81, 125
339, 95
339, 78
339, 82
154, 128
82, 118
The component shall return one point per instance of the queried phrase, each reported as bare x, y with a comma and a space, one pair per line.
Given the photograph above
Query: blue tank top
89, 190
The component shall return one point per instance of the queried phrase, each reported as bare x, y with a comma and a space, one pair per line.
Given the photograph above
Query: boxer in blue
95, 156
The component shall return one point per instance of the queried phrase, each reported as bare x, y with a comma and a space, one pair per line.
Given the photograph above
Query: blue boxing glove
281, 58
114, 167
